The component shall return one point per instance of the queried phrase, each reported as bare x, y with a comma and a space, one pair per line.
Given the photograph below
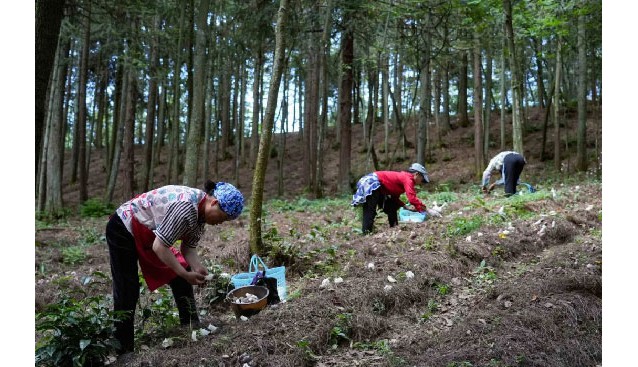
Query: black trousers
379, 200
126, 285
513, 164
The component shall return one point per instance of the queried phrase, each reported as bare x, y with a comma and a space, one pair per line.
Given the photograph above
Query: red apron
155, 272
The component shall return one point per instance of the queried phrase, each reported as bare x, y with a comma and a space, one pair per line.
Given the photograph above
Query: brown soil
537, 301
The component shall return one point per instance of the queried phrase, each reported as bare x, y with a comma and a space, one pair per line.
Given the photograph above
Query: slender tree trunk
517, 113
424, 108
345, 103
538, 48
199, 87
488, 102
311, 110
54, 202
461, 112
479, 157
172, 167
559, 65
254, 139
581, 139
385, 80
118, 135
256, 202
128, 145
151, 107
48, 19
445, 123
84, 71
503, 90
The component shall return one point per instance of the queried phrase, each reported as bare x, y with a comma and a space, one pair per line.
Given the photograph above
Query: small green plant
96, 208
73, 255
462, 225
308, 354
157, 309
90, 236
76, 332
442, 288
431, 308
340, 332
215, 290
430, 244
483, 274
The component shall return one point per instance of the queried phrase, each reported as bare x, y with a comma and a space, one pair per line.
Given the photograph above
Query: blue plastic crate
410, 216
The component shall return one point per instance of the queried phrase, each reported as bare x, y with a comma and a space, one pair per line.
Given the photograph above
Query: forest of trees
204, 81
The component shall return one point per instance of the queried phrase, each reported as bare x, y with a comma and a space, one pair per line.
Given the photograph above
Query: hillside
497, 281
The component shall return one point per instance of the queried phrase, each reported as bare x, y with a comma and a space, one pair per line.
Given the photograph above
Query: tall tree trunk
101, 97
538, 49
503, 90
325, 43
54, 202
445, 123
118, 135
199, 78
151, 107
84, 71
172, 167
436, 76
461, 112
311, 109
256, 202
48, 19
128, 145
581, 139
488, 103
517, 113
254, 139
479, 157
345, 102
425, 106
559, 65
385, 82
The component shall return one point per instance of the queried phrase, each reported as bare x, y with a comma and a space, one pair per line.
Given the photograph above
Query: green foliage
307, 352
442, 288
96, 208
90, 236
157, 309
76, 332
461, 226
46, 219
73, 255
340, 332
431, 308
484, 275
214, 291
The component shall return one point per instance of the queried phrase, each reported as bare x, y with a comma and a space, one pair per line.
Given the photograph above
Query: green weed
96, 208
461, 226
73, 255
76, 332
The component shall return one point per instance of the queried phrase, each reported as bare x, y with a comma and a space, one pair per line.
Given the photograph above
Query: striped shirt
169, 211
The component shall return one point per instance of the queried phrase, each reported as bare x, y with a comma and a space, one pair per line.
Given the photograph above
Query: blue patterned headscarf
230, 199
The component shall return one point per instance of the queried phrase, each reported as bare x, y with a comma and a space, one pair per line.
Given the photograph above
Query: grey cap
417, 167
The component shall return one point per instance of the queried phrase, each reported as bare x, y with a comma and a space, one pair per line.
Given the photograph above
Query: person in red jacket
382, 189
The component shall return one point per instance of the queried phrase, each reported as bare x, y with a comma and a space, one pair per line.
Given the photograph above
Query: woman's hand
194, 278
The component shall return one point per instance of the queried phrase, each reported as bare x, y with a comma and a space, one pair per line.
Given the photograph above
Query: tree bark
256, 202
479, 157
48, 19
197, 114
517, 113
581, 139
84, 71
559, 65
151, 107
461, 111
345, 102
